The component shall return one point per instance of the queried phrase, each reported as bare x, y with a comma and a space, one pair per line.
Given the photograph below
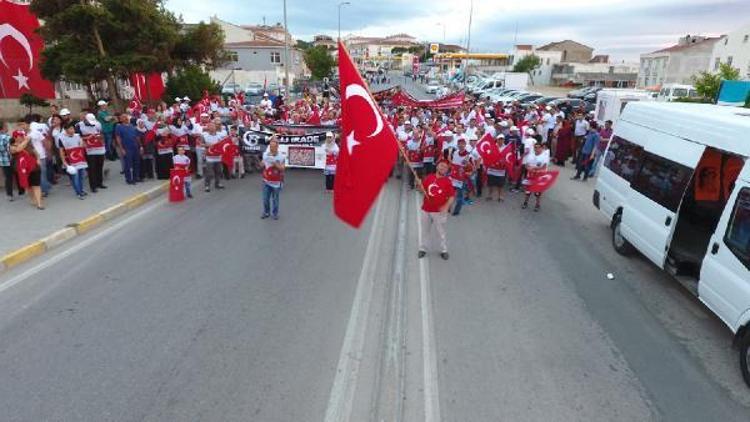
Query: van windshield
679, 92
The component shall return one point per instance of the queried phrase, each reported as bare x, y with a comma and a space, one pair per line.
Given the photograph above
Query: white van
670, 92
675, 185
611, 102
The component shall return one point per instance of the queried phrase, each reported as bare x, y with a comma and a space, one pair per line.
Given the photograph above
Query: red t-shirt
439, 190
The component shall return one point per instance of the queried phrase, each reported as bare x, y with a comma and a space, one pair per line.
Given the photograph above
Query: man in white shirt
579, 131
38, 133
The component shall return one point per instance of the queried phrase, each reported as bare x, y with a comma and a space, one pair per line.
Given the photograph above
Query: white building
734, 49
678, 63
542, 75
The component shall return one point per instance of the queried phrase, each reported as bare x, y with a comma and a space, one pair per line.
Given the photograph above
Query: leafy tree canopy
319, 61
707, 84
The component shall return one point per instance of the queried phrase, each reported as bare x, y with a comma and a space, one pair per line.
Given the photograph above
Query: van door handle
668, 221
714, 248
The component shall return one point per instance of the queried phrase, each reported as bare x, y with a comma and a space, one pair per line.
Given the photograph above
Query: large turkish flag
20, 48
368, 147
488, 150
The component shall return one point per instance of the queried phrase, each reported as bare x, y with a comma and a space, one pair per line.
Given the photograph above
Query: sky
621, 28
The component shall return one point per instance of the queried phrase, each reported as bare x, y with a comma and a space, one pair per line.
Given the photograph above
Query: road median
72, 230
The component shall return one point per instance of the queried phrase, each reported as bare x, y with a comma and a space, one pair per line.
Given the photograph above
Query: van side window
662, 180
737, 237
623, 158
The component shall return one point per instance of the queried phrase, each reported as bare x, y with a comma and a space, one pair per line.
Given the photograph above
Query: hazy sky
621, 28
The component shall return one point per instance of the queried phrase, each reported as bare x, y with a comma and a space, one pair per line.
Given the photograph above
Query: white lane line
429, 352
341, 398
55, 258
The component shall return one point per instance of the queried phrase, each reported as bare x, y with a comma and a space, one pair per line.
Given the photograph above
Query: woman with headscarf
564, 141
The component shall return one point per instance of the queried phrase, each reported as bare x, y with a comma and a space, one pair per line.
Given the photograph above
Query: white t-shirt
268, 161
212, 140
582, 126
540, 161
528, 145
37, 141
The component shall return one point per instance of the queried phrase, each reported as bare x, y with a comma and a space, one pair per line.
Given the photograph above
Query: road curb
34, 249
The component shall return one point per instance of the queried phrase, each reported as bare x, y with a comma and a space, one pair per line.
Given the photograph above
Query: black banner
301, 129
256, 140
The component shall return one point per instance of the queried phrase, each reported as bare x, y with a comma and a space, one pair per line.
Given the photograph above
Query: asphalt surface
202, 311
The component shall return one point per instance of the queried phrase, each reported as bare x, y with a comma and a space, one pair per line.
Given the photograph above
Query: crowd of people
438, 148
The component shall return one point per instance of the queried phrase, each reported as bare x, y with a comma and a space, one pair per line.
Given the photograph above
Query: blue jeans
77, 181
270, 193
460, 195
44, 179
132, 165
187, 184
109, 149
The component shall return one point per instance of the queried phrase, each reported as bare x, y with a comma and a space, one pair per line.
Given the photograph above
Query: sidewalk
23, 224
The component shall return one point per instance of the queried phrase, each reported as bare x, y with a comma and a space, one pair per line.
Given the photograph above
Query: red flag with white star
488, 150
20, 49
368, 147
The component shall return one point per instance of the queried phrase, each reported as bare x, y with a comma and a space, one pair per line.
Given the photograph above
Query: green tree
31, 101
105, 40
707, 84
190, 81
319, 61
527, 63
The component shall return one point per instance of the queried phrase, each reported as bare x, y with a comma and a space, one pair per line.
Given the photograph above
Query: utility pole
468, 43
287, 62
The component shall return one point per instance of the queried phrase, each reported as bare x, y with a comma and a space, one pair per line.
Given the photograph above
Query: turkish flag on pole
541, 181
20, 48
368, 147
489, 150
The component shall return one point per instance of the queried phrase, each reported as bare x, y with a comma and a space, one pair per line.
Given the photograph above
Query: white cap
185, 98
548, 108
90, 118
265, 94
402, 136
101, 103
177, 99
204, 114
500, 135
329, 134
65, 112
530, 131
504, 123
487, 115
514, 128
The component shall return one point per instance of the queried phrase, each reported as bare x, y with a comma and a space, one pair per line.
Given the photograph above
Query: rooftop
682, 47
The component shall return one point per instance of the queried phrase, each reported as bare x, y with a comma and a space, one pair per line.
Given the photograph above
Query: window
745, 38
717, 63
729, 60
679, 92
233, 56
661, 180
737, 237
275, 57
726, 40
623, 158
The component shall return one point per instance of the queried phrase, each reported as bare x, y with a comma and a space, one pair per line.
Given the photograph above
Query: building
378, 49
678, 63
571, 51
325, 41
733, 49
257, 53
542, 75
606, 75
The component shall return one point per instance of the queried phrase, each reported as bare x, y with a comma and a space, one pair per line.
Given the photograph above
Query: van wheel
745, 357
621, 245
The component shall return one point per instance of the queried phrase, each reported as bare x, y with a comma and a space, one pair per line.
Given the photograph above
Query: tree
527, 63
707, 84
190, 81
31, 101
319, 61
106, 40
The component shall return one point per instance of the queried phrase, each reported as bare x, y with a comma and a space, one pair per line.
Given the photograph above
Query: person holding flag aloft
439, 195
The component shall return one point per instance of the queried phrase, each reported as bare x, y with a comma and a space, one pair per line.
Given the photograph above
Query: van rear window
661, 180
737, 237
623, 158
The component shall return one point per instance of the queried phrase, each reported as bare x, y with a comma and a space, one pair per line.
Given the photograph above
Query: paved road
201, 311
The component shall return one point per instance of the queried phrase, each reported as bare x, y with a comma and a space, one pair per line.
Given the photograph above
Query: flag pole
401, 150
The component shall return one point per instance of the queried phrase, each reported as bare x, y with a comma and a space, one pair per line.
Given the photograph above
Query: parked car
254, 88
432, 87
568, 105
230, 88
544, 100
671, 92
529, 99
580, 93
655, 194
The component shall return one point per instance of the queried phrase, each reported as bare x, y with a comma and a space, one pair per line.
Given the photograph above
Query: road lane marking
55, 258
429, 352
341, 398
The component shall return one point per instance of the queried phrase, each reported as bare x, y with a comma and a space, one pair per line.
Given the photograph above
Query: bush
697, 100
31, 101
190, 81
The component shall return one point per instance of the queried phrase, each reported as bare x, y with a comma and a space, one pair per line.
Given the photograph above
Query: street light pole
468, 43
343, 3
287, 62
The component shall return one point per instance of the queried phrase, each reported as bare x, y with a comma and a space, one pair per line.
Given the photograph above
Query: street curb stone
73, 230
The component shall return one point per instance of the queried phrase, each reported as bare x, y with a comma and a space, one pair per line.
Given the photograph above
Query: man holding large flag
368, 147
